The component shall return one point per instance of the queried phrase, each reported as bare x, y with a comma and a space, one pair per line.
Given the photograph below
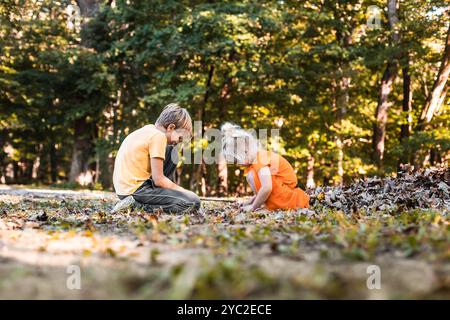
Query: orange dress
285, 193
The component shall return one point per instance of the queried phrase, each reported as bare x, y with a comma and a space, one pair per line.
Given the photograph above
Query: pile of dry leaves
429, 188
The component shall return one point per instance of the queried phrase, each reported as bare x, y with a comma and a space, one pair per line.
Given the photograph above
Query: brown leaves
428, 188
39, 216
89, 225
152, 218
159, 243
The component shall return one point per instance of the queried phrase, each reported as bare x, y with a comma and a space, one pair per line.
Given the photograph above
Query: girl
270, 176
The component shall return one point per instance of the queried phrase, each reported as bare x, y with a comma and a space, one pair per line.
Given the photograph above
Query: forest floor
322, 252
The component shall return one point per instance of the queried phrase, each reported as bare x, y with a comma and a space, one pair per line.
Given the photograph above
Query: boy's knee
197, 203
192, 200
195, 200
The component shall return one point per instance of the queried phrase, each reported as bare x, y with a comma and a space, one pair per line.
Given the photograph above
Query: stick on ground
216, 199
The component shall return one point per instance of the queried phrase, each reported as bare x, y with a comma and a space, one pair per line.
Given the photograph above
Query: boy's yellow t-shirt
132, 164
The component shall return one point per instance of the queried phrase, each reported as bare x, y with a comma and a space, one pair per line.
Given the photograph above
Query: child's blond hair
232, 136
173, 113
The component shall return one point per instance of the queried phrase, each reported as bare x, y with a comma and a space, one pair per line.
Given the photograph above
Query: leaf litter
400, 224
429, 188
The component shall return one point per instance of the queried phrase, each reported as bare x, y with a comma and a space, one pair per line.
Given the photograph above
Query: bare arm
159, 178
266, 188
251, 182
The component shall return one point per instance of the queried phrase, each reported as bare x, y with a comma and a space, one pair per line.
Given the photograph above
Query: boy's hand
190, 192
181, 189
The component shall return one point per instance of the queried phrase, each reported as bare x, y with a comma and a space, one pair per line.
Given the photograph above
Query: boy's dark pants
170, 201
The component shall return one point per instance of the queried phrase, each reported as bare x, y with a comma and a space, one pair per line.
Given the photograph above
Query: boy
145, 165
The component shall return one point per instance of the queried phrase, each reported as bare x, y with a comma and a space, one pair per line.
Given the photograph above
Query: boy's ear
171, 127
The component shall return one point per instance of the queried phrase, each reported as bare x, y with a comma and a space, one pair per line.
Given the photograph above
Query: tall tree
406, 121
83, 130
387, 82
439, 91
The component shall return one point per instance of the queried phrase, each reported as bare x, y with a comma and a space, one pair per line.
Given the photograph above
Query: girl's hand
248, 208
246, 202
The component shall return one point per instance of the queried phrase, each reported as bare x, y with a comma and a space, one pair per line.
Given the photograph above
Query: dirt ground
314, 253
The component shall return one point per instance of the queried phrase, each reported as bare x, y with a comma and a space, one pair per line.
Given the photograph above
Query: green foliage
250, 62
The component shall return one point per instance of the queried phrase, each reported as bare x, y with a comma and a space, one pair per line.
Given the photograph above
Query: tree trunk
81, 150
222, 175
436, 97
381, 114
197, 178
435, 157
88, 8
82, 145
310, 172
439, 90
405, 129
342, 105
222, 167
387, 81
342, 87
407, 104
3, 156
28, 170
53, 163
15, 171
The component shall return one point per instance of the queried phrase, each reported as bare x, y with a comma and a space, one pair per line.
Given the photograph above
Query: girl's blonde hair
233, 136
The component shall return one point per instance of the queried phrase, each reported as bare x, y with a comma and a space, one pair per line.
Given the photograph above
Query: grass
221, 253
